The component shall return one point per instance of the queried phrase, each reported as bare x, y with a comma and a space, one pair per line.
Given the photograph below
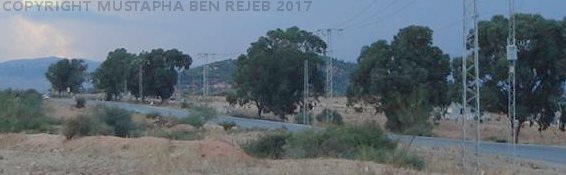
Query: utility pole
140, 81
512, 56
306, 92
470, 77
329, 33
179, 92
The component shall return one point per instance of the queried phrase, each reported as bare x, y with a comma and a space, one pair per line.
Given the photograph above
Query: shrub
80, 102
232, 98
186, 105
120, 120
199, 116
330, 116
153, 115
102, 121
364, 142
228, 125
341, 142
85, 126
300, 119
22, 111
269, 146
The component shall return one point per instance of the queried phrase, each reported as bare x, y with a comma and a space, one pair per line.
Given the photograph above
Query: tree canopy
113, 74
540, 73
159, 71
67, 75
270, 75
405, 79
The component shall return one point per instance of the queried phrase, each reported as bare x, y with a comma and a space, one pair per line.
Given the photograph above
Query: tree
270, 75
114, 72
67, 75
160, 71
540, 67
406, 80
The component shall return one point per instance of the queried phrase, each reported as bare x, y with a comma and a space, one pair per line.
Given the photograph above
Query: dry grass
158, 156
498, 130
448, 161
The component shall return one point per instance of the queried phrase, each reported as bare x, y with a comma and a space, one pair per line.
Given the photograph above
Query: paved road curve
534, 152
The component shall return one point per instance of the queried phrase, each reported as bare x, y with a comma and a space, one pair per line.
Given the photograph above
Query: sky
93, 34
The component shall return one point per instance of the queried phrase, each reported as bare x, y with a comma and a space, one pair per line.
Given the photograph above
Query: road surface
550, 154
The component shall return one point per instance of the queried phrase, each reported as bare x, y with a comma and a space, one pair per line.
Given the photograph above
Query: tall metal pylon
329, 54
512, 58
205, 88
471, 77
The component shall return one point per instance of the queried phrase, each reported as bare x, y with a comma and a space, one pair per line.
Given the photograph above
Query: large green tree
540, 67
270, 75
406, 80
113, 73
67, 75
160, 72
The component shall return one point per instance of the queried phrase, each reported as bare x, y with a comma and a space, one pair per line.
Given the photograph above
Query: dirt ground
52, 154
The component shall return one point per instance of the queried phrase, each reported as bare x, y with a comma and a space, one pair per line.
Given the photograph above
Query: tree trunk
517, 130
259, 109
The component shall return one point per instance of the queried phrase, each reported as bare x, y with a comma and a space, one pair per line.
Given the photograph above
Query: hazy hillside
220, 76
30, 73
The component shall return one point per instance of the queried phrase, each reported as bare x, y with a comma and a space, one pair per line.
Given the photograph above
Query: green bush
22, 111
341, 142
269, 146
228, 125
85, 126
120, 120
300, 119
80, 102
199, 116
330, 116
102, 121
232, 98
363, 142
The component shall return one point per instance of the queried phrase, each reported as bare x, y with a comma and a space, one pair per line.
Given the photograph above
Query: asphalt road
550, 154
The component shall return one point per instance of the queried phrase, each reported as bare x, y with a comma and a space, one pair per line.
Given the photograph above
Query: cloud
25, 38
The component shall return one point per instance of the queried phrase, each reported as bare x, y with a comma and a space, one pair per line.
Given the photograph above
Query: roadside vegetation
22, 111
102, 121
199, 115
364, 142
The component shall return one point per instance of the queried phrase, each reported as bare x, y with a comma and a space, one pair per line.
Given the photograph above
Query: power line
377, 13
359, 13
385, 17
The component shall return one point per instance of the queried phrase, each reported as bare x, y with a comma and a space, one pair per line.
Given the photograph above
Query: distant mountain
30, 73
220, 77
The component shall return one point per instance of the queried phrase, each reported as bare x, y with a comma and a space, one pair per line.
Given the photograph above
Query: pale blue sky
93, 34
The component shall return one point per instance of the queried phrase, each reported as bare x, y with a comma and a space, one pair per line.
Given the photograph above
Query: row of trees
158, 70
408, 78
121, 73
